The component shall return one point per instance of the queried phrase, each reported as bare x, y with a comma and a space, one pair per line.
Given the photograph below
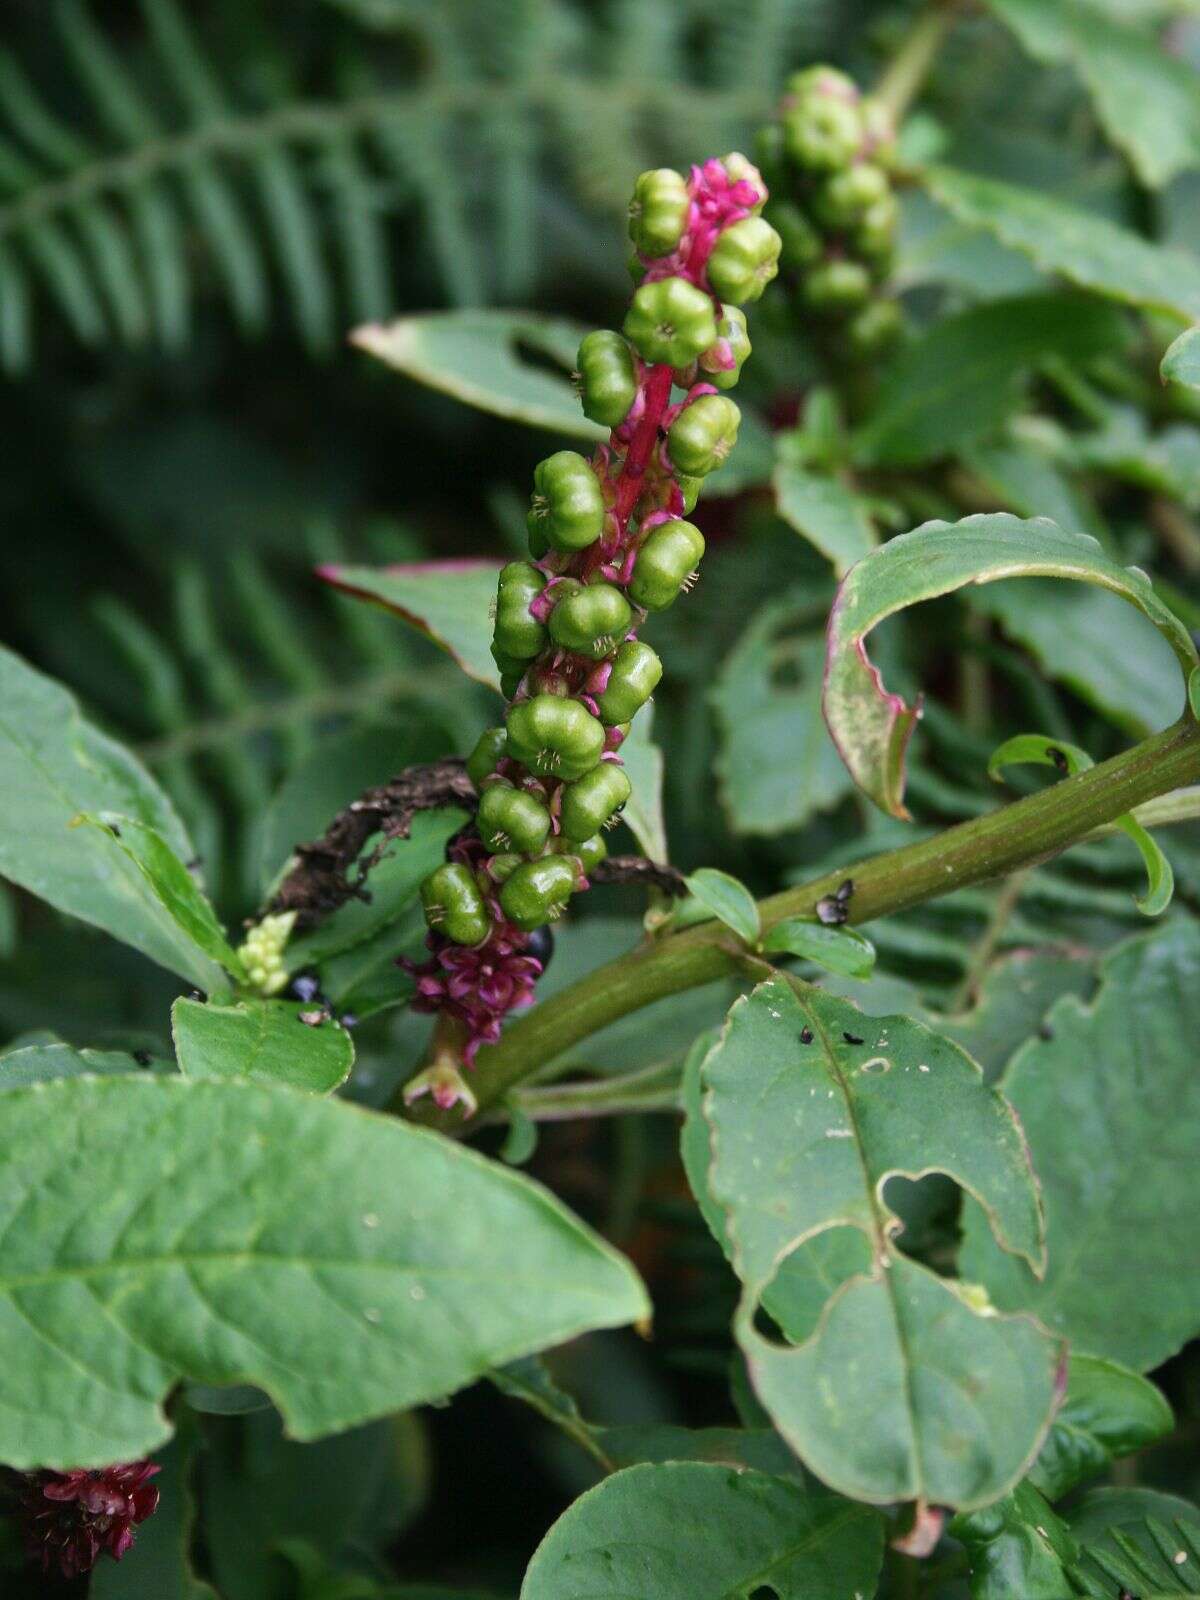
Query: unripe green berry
847, 195
744, 260
703, 434
658, 211
500, 868
607, 380
801, 244
636, 671
690, 489
454, 906
510, 682
507, 666
731, 327
568, 505
823, 134
553, 737
876, 327
591, 804
820, 82
873, 237
487, 754
838, 286
519, 635
588, 852
537, 892
591, 621
512, 819
670, 322
671, 552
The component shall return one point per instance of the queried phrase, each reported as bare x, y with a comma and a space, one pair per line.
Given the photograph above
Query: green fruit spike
607, 379
454, 906
512, 819
670, 322
635, 675
592, 621
554, 737
567, 509
537, 892
658, 211
744, 260
591, 804
703, 434
731, 327
671, 552
487, 755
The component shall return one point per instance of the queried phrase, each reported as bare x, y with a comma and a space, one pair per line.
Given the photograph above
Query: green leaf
960, 379
1108, 1412
1025, 749
728, 899
56, 765
480, 358
448, 601
776, 764
160, 1563
41, 1063
1019, 1548
870, 726
1145, 97
233, 1233
176, 890
643, 813
1084, 248
837, 949
1028, 482
821, 508
1136, 1536
686, 1531
896, 1384
264, 1041
1181, 364
1110, 1104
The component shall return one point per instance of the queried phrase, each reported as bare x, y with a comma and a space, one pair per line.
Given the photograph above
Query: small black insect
851, 1038
195, 994
832, 911
142, 1057
1045, 1031
1059, 757
844, 892
195, 864
806, 1036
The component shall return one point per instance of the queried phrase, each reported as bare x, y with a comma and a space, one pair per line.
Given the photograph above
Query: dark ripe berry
540, 945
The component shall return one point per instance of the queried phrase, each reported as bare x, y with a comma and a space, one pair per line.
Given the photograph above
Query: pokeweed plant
960, 1232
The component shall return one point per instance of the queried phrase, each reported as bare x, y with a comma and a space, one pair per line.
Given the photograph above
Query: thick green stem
906, 72
1018, 835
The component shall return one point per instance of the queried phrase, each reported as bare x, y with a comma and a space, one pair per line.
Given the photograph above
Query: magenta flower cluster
70, 1519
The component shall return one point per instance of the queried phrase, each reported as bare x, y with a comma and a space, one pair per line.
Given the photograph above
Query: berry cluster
608, 543
826, 159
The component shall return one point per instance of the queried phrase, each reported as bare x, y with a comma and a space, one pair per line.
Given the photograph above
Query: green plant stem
1019, 835
905, 74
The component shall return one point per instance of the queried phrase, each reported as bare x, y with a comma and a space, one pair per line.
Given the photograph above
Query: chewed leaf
448, 601
477, 357
895, 1384
872, 726
1181, 364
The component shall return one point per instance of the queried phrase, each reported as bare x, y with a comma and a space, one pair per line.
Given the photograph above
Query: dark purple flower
70, 1518
478, 984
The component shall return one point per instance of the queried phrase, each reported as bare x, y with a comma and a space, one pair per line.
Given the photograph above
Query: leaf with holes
261, 1041
1110, 1104
871, 726
448, 601
687, 1531
233, 1233
895, 1384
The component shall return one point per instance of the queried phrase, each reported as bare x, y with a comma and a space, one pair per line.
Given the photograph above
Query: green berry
732, 328
690, 489
658, 211
876, 327
670, 322
848, 195
501, 868
512, 819
607, 381
703, 434
518, 635
588, 852
874, 235
454, 906
838, 286
636, 671
568, 505
801, 244
819, 81
487, 754
510, 682
537, 892
554, 737
823, 134
670, 554
591, 621
593, 802
507, 666
744, 260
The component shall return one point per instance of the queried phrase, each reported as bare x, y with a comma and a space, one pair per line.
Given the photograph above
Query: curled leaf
728, 900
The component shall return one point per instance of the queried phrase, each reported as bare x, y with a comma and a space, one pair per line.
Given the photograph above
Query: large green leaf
962, 377
1107, 1412
41, 1063
156, 1229
263, 1041
1136, 1542
870, 726
776, 764
57, 766
1019, 1548
1147, 99
1084, 248
1110, 1104
448, 601
687, 1531
896, 1385
829, 515
480, 357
